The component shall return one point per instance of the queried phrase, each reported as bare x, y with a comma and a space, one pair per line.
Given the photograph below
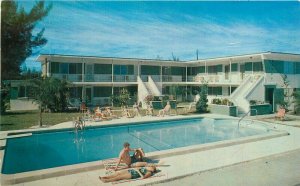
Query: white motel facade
238, 78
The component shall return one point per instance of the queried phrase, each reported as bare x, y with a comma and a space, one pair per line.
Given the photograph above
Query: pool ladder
245, 116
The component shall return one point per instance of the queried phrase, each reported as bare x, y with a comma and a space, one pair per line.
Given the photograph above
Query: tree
50, 93
17, 40
296, 101
201, 105
5, 96
174, 58
287, 93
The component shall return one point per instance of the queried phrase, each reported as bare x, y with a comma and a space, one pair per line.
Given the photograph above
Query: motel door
226, 71
88, 95
89, 72
242, 70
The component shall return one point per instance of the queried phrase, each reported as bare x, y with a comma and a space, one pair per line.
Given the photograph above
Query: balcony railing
68, 77
125, 78
167, 78
98, 78
155, 78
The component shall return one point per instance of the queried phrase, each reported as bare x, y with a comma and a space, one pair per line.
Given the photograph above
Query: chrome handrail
246, 115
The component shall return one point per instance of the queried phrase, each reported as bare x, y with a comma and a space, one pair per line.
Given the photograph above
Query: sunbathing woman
132, 173
109, 113
99, 114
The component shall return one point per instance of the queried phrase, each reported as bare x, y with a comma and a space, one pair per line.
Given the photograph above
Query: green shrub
201, 105
216, 101
253, 102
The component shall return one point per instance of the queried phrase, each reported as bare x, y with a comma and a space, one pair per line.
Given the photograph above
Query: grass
25, 120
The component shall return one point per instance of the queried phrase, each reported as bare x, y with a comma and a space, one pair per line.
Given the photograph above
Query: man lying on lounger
125, 157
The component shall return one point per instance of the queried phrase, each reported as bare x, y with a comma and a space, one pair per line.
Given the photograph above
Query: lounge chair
149, 110
165, 110
136, 109
109, 114
126, 113
280, 114
188, 108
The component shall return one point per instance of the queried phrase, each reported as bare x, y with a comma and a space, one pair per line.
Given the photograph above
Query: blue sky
152, 29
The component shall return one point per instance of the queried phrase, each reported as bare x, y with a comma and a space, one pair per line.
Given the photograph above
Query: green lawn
25, 120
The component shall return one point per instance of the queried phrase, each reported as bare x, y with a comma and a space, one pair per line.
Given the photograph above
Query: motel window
214, 69
75, 92
14, 92
257, 67
214, 90
22, 91
234, 67
248, 66
102, 91
54, 67
123, 69
211, 69
166, 70
288, 68
64, 68
297, 67
177, 71
150, 70
283, 67
196, 70
274, 66
75, 68
102, 69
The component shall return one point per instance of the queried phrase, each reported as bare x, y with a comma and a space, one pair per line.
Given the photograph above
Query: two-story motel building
239, 78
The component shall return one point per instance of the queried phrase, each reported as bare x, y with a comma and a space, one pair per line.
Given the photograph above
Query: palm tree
51, 94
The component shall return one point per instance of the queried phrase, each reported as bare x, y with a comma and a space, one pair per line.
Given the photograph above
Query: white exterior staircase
242, 95
147, 88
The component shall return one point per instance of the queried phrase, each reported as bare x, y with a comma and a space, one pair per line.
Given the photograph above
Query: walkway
278, 170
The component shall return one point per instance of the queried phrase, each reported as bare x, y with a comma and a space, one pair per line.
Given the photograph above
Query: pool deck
185, 168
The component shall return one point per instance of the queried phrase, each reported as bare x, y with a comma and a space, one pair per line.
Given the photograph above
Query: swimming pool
43, 150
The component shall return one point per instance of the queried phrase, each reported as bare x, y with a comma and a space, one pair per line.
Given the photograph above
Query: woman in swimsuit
133, 173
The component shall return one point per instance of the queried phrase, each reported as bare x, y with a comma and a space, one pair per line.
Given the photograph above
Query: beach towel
110, 164
156, 175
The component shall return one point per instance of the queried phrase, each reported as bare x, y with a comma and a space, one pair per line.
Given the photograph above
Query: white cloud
143, 35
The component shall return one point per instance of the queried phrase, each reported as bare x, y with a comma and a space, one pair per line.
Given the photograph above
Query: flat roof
116, 60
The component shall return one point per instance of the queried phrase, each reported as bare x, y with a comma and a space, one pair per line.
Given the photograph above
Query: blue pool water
44, 150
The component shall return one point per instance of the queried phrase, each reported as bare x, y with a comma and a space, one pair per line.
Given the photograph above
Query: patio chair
126, 113
136, 109
165, 110
149, 110
280, 114
87, 115
83, 107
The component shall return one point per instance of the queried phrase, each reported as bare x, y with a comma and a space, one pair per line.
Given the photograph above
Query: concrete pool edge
95, 165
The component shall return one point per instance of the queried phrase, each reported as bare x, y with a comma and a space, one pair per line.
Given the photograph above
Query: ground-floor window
214, 91
102, 91
76, 92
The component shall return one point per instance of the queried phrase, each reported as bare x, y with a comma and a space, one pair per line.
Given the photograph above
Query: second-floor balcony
98, 78
68, 77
